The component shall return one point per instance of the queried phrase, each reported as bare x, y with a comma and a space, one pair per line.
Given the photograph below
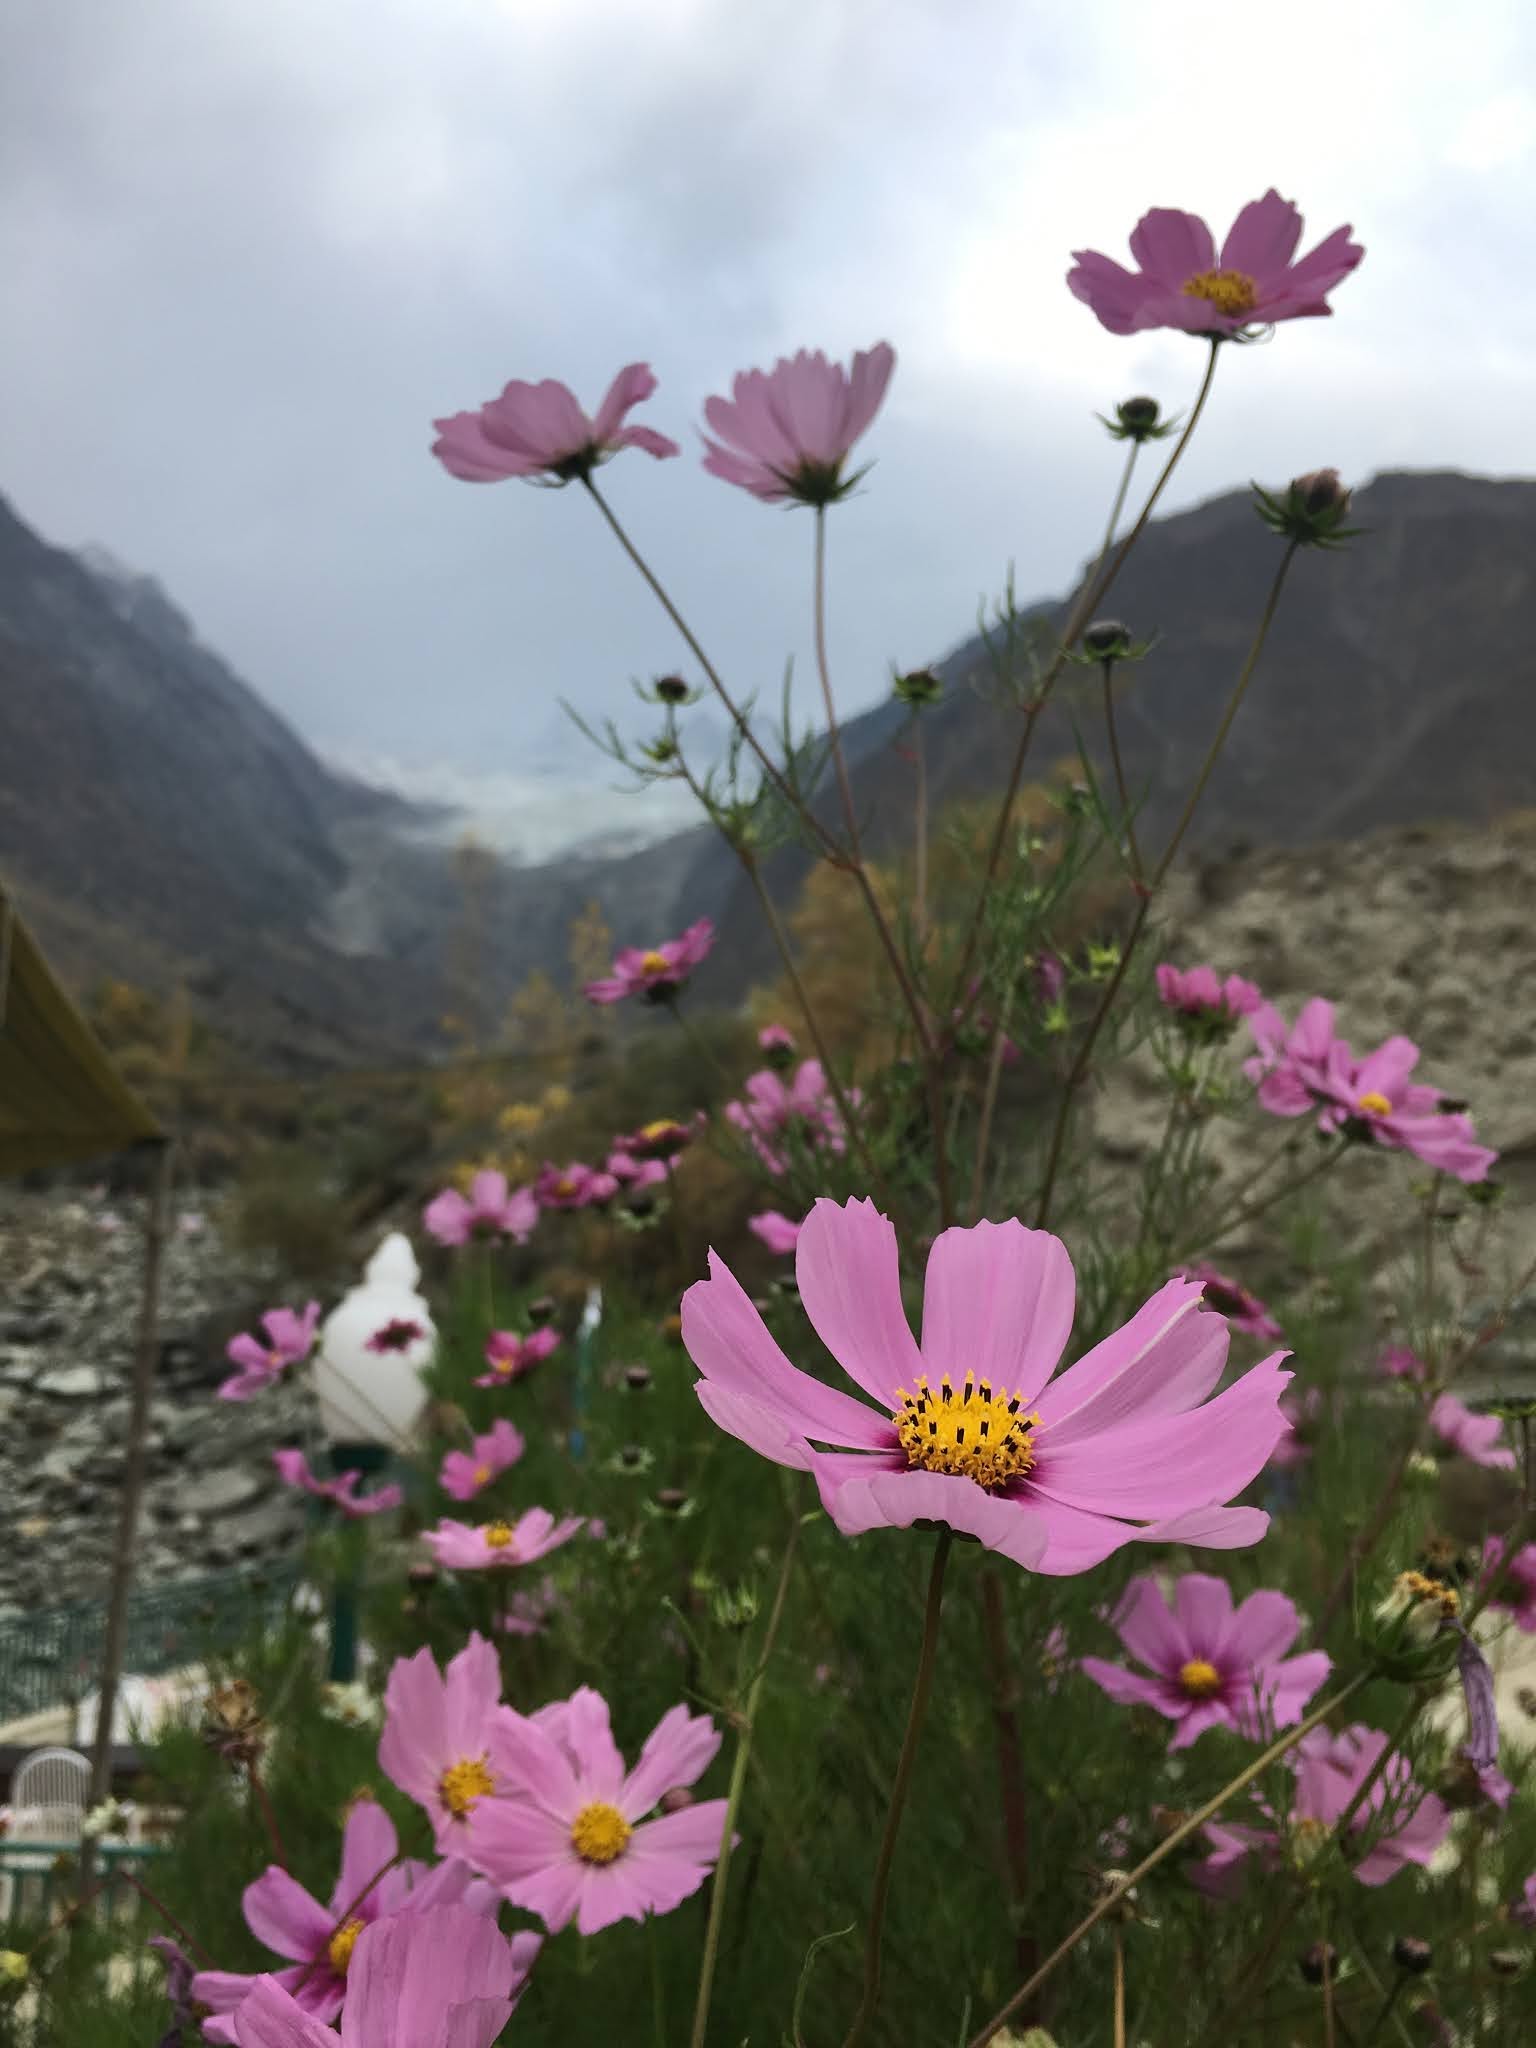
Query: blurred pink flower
775, 1230
509, 1356
1229, 1298
1474, 1436
539, 430
1517, 1589
1303, 1414
572, 1841
1329, 1771
1212, 1664
529, 1613
635, 1174
448, 1979
786, 432
466, 1473
437, 1736
1180, 281
806, 1107
499, 1546
290, 1339
1397, 1362
1195, 994
1054, 1473
490, 1210
1524, 1910
341, 1492
315, 1938
655, 974
775, 1038
573, 1187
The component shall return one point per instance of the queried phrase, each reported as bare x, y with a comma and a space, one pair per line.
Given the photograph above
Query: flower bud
1321, 491
637, 1378
677, 1800
1138, 419
632, 1457
1107, 639
1412, 1955
920, 686
671, 1500
734, 1607
1320, 1963
1506, 1962
1410, 1634
1310, 511
671, 689
542, 1310
422, 1575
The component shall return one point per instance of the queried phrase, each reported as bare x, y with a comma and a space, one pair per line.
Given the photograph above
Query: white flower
353, 1705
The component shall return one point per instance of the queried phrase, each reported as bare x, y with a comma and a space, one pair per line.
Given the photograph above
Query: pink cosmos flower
1517, 1588
1474, 1436
437, 1736
970, 1429
539, 430
806, 1107
1243, 1311
1303, 1414
1397, 1362
446, 1979
1180, 281
341, 1492
1524, 1911
1195, 995
466, 1473
290, 1339
573, 1187
1310, 1068
491, 1210
1329, 1770
499, 1546
572, 1840
654, 973
319, 1940
663, 1138
775, 1230
530, 1613
1212, 1665
509, 1356
636, 1174
786, 432
775, 1038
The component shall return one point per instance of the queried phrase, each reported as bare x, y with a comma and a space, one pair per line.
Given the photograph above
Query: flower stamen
600, 1833
1230, 291
465, 1782
1200, 1679
498, 1535
969, 1432
1374, 1103
341, 1944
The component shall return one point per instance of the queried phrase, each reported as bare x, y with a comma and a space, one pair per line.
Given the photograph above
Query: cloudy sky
251, 247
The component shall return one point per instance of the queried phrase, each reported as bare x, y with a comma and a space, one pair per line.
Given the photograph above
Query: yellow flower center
498, 1535
1308, 1838
654, 963
341, 1944
663, 1127
1374, 1103
465, 1782
1199, 1678
970, 1433
1420, 1586
565, 1185
1229, 291
481, 1474
600, 1833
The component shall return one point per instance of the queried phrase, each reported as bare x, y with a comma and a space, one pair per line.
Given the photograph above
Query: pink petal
1263, 1628
849, 1276
401, 1968
895, 1500
867, 384
590, 1736
1208, 1529
1165, 1359
997, 1301
270, 2019
678, 1751
368, 1842
1172, 246
1130, 1689
1204, 1607
1076, 1541
1115, 294
1263, 238
730, 1344
1148, 1630
284, 1917
631, 387
647, 440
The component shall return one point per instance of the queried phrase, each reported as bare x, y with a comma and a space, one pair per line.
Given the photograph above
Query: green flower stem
880, 1890
743, 1757
1160, 1854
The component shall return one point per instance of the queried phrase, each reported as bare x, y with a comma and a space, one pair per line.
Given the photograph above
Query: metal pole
125, 1555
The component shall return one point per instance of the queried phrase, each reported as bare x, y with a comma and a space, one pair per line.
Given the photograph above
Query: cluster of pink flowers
1202, 1001
1517, 1589
542, 1805
1211, 1665
656, 974
341, 1492
491, 1210
289, 1340
1476, 1437
774, 1112
1306, 1068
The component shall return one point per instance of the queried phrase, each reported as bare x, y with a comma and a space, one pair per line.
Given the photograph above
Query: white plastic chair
48, 1796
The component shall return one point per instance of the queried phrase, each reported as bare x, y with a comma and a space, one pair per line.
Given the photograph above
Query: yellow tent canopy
61, 1098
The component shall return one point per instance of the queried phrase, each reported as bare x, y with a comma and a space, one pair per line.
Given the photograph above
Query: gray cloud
252, 248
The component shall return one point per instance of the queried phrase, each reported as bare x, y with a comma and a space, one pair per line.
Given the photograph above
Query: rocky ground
69, 1290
